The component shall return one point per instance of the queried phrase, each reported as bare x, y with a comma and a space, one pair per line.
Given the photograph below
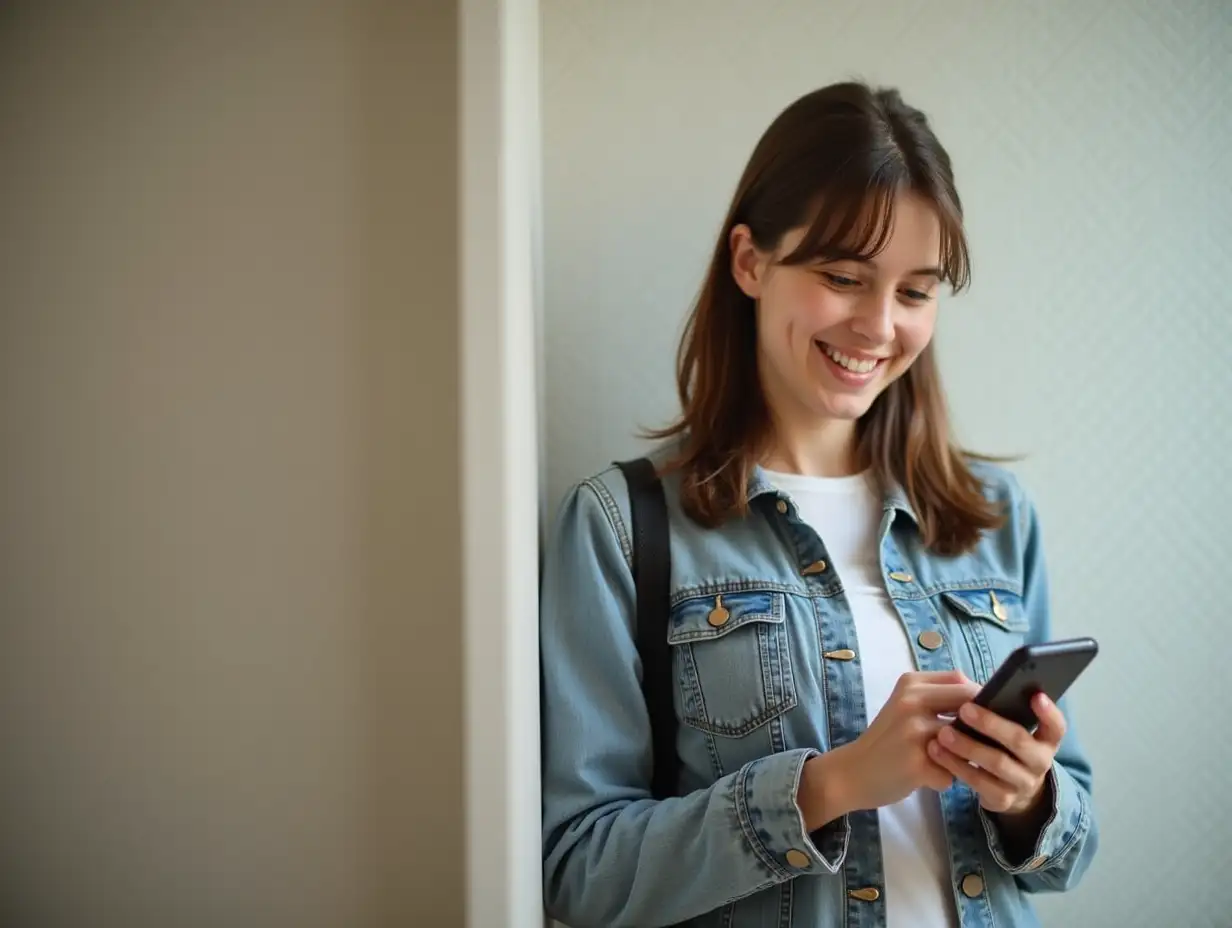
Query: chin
844, 407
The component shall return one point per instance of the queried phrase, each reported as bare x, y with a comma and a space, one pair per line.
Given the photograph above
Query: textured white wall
1091, 143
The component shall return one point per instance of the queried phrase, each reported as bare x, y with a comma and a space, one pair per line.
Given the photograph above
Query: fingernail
946, 736
934, 748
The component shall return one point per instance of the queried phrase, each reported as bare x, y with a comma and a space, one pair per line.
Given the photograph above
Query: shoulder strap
652, 570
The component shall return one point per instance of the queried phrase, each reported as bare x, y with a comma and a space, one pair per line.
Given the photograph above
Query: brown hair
840, 155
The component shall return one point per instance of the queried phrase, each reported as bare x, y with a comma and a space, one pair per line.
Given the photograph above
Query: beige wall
230, 653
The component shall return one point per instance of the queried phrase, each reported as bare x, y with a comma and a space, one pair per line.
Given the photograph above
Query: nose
874, 317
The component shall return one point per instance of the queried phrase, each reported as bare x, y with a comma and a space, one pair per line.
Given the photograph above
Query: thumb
1051, 721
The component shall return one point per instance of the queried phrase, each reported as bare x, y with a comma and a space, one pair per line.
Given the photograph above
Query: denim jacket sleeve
1067, 841
612, 854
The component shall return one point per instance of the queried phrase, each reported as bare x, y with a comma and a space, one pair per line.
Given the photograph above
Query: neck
821, 448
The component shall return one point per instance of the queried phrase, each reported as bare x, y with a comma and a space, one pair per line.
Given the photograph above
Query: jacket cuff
773, 824
1065, 824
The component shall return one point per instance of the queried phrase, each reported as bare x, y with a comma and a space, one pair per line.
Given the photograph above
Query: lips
854, 365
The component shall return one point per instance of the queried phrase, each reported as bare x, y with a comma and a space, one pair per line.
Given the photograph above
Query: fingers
1007, 769
1035, 755
934, 676
995, 794
1052, 725
941, 697
936, 777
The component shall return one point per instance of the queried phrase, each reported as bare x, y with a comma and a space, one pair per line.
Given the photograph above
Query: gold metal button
865, 894
998, 608
798, 859
1037, 863
900, 576
843, 654
718, 615
972, 885
931, 640
781, 506
817, 567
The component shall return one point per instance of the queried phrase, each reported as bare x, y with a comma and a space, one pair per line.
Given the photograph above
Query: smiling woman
842, 576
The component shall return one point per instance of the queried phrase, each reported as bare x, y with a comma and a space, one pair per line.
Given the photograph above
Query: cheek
915, 334
788, 313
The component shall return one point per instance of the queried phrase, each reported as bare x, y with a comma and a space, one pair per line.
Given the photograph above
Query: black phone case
1039, 668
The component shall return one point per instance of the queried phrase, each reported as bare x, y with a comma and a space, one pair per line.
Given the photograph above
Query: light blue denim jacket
756, 697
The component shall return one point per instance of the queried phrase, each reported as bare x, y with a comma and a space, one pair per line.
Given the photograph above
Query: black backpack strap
652, 571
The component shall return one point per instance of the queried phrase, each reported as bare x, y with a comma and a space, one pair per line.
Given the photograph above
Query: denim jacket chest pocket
992, 622
732, 660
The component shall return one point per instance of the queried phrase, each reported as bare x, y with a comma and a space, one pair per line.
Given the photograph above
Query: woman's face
831, 337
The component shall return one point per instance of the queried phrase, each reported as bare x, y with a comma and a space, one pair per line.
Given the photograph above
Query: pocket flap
1000, 607
702, 618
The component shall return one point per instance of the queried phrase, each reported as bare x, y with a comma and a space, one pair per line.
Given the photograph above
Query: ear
748, 263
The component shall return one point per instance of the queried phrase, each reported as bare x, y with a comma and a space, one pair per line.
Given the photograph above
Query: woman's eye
839, 280
917, 296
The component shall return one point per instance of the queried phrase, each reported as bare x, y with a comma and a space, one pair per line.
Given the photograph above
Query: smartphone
1049, 668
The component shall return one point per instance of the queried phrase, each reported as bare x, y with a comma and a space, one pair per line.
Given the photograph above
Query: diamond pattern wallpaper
1093, 148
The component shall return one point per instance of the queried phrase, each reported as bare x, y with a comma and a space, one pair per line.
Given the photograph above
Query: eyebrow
861, 259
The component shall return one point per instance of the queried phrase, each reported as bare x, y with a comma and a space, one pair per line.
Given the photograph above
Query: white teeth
856, 367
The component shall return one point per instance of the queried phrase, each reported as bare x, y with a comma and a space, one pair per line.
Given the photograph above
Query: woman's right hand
890, 760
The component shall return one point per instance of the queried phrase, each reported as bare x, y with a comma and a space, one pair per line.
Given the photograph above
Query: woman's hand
1010, 782
890, 760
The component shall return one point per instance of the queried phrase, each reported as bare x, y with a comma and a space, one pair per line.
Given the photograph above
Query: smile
858, 366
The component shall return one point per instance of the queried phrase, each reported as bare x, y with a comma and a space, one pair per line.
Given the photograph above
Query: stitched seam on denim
787, 674
977, 646
932, 589
694, 679
786, 903
1084, 819
739, 731
763, 658
778, 742
736, 623
617, 524
760, 851
716, 759
710, 590
986, 899
1015, 622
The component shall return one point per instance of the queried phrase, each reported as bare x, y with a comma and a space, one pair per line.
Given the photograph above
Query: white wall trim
499, 125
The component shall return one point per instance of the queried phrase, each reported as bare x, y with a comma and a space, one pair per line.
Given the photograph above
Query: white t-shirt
846, 513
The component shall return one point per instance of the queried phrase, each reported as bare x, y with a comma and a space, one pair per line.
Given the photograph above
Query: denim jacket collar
894, 497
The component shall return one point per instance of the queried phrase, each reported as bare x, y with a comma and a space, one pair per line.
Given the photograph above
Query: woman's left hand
1009, 782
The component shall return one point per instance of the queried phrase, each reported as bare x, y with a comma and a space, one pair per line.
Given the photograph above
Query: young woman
841, 575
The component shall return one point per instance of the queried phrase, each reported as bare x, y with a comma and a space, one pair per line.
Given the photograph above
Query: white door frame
500, 299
